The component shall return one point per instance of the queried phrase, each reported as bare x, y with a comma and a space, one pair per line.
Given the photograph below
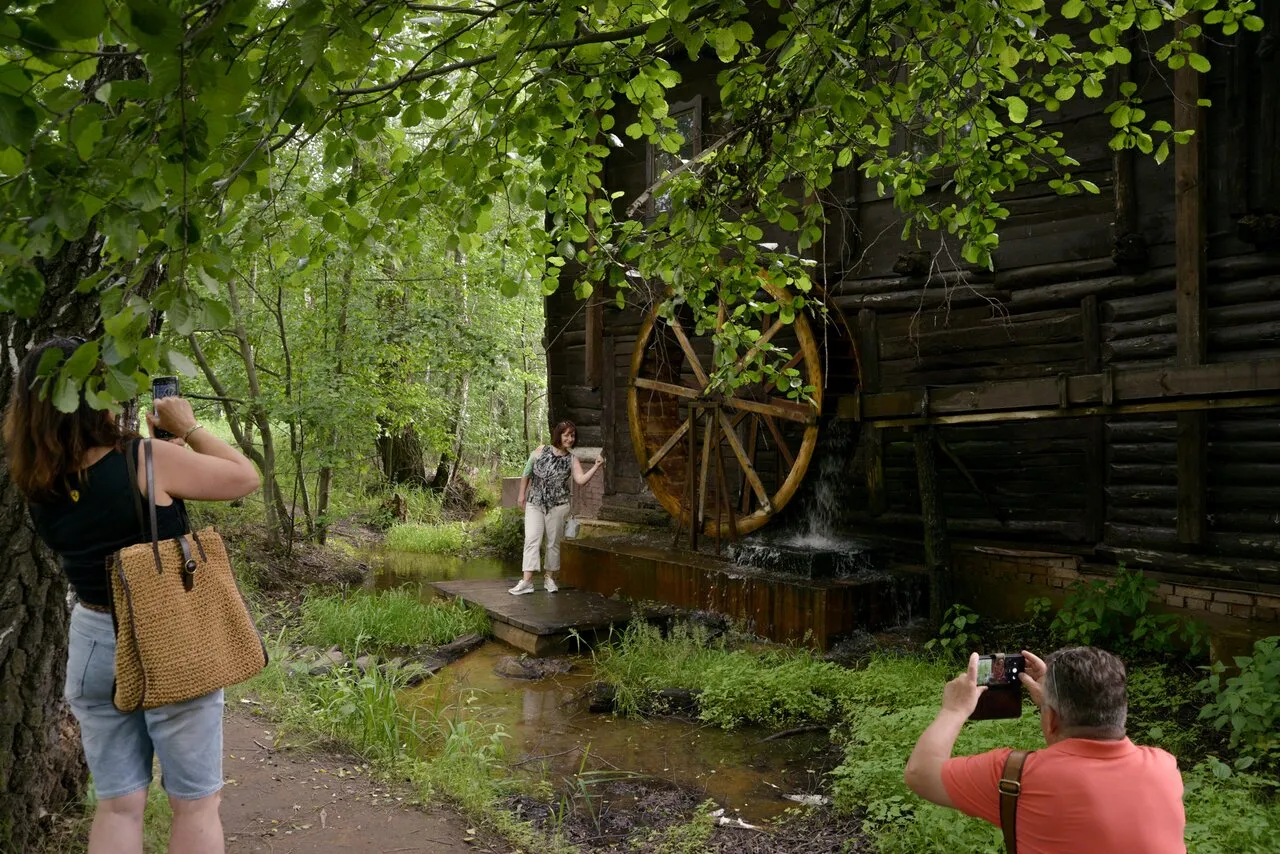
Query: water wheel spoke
689, 354
748, 469
667, 446
752, 438
759, 344
707, 431
776, 407
795, 360
668, 388
780, 442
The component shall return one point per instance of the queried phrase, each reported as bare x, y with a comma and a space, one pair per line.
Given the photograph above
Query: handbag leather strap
1010, 786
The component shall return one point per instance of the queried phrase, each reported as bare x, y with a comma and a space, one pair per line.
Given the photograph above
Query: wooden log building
1111, 392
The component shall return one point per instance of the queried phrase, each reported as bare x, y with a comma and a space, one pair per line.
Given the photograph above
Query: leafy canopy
169, 130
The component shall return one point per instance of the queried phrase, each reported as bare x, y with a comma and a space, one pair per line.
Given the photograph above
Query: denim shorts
187, 737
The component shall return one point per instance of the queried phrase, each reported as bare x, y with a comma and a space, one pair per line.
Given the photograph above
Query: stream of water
553, 735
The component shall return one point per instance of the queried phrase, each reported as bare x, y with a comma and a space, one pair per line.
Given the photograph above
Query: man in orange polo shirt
1090, 790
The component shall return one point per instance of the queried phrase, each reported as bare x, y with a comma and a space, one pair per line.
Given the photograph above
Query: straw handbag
182, 628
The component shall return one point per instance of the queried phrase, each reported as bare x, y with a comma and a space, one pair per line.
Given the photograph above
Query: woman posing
544, 497
74, 469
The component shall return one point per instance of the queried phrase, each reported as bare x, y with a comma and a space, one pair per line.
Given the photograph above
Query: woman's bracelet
193, 428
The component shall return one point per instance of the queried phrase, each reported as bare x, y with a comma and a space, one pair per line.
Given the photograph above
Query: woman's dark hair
557, 433
45, 446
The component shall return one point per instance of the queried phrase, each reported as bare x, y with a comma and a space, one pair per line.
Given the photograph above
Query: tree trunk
937, 546
41, 764
324, 483
401, 455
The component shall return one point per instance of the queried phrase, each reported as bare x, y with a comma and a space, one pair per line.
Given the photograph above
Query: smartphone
1003, 697
164, 387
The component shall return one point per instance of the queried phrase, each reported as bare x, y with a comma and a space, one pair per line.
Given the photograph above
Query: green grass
379, 621
436, 745
883, 707
448, 538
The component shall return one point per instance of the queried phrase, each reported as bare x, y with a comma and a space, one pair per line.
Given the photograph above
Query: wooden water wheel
730, 461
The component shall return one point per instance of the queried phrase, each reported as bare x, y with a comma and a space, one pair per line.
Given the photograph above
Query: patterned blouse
549, 478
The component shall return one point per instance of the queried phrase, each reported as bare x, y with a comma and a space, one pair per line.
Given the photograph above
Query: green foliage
1230, 813
1163, 706
691, 837
502, 532
388, 620
1248, 704
445, 538
892, 702
736, 687
1112, 613
956, 638
306, 147
362, 711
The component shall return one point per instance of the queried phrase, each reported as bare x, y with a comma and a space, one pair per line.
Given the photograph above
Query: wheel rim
764, 442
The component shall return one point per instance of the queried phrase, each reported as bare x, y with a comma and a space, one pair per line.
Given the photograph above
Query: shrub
448, 538
1248, 704
955, 638
502, 532
396, 618
1230, 813
1113, 614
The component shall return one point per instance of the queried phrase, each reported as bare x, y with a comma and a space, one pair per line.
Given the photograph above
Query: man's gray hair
1086, 687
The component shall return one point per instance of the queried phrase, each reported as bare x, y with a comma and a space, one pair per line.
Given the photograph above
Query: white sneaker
522, 588
549, 584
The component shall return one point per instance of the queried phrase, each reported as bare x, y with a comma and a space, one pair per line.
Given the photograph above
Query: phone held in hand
164, 387
1003, 697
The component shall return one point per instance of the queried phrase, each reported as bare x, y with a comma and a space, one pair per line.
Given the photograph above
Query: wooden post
872, 438
937, 547
608, 389
1096, 441
595, 341
1192, 267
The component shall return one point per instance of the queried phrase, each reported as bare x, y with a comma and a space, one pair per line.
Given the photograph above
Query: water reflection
553, 736
397, 569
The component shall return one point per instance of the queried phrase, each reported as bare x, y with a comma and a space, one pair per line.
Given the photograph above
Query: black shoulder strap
1010, 786
131, 463
151, 502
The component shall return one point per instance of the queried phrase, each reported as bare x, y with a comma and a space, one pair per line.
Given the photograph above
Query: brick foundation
1000, 581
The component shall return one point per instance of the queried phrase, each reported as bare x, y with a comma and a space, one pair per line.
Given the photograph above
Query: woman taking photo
74, 469
544, 497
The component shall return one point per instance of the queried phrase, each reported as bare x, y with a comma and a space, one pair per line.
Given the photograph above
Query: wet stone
514, 667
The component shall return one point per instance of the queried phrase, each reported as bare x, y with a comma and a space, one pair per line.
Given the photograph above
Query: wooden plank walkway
541, 623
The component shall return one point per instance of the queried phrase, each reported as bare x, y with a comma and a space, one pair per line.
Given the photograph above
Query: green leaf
82, 361
1017, 109
66, 394
1072, 9
179, 363
72, 20
1199, 63
20, 291
18, 122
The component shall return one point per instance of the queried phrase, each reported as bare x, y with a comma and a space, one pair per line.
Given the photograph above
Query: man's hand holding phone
961, 694
1032, 678
170, 418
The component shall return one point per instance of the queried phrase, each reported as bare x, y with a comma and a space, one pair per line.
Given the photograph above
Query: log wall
1070, 294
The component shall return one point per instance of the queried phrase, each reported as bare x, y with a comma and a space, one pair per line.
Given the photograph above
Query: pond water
554, 736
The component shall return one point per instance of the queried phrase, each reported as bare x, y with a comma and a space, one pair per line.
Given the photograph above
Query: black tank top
87, 531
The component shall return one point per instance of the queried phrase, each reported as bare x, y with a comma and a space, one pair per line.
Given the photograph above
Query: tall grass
446, 538
736, 687
391, 619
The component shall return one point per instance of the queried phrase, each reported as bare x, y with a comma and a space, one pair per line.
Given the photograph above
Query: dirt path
280, 802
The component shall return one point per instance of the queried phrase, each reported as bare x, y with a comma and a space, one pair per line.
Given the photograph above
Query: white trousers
536, 523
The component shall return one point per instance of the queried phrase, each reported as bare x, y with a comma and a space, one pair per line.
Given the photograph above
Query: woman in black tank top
75, 470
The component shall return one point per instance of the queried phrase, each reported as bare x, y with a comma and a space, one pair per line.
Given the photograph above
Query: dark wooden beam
1096, 441
1191, 255
1123, 388
872, 439
937, 548
596, 362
